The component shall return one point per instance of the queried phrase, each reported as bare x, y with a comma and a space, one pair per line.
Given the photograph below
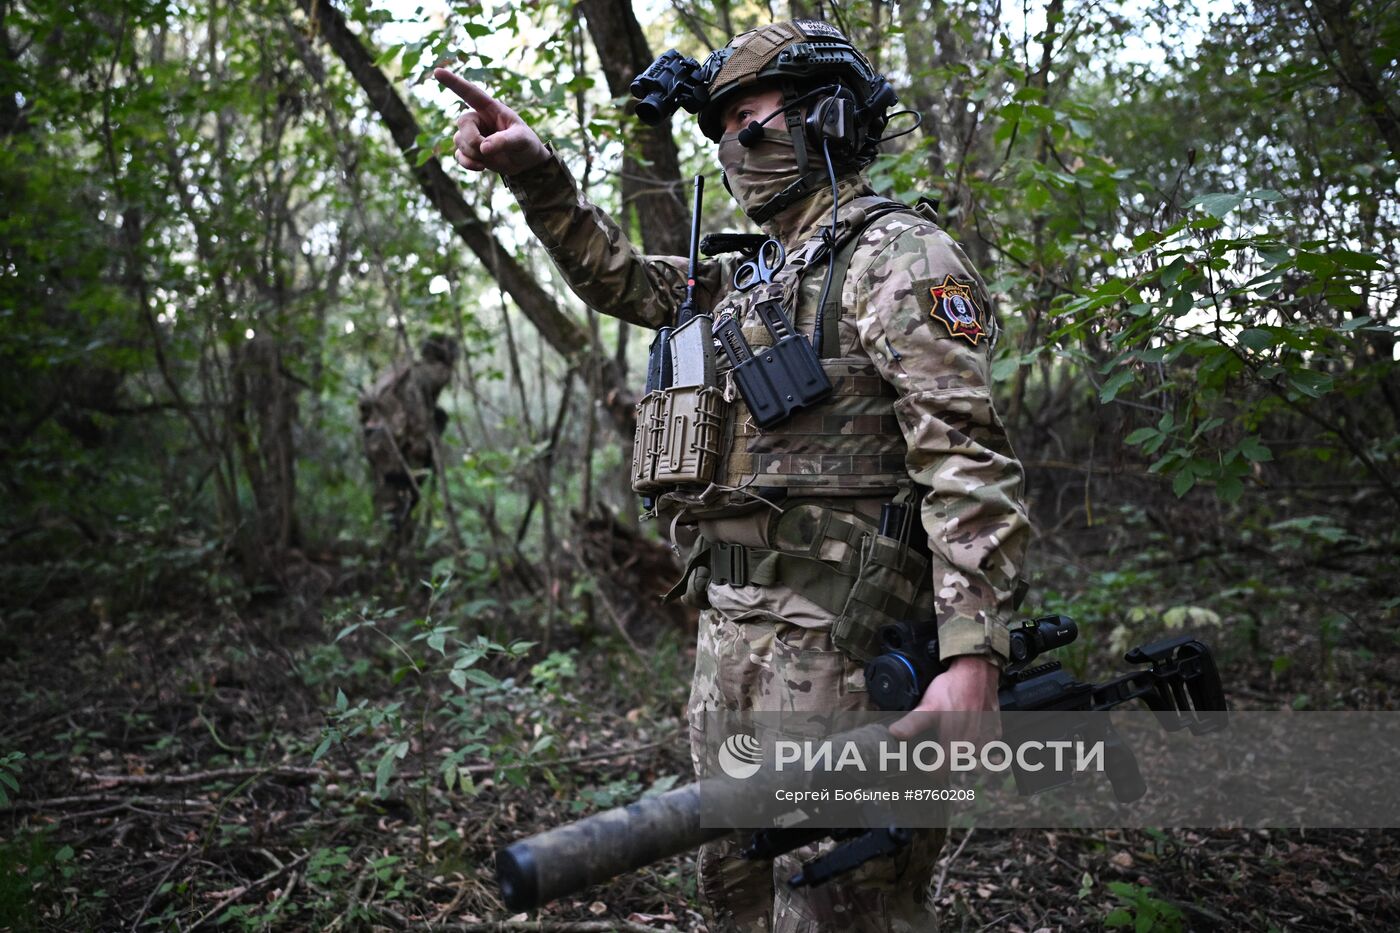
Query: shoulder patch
956, 309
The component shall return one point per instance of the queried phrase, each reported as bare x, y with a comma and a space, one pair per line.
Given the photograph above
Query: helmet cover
804, 51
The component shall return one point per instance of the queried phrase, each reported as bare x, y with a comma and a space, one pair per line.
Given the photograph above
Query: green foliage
1142, 911
440, 681
1191, 320
10, 765
31, 867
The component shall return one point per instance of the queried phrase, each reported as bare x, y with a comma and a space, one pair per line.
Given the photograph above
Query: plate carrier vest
849, 444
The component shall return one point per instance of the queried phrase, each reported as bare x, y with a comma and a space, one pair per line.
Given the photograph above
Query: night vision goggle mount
673, 81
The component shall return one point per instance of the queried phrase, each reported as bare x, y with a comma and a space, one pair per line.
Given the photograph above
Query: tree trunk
652, 188
1337, 34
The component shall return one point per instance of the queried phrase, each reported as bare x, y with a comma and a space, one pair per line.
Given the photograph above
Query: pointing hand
490, 135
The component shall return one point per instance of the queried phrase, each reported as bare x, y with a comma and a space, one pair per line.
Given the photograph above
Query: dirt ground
169, 784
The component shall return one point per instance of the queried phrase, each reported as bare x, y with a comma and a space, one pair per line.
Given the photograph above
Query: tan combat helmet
803, 54
835, 105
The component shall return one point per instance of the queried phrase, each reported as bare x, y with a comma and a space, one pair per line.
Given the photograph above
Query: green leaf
1257, 339
342, 702
1318, 265
1118, 917
1147, 239
476, 30
1310, 382
1253, 449
437, 641
481, 678
541, 744
1217, 205
1140, 435
321, 749
9, 781
1112, 387
386, 56
1351, 259
458, 678
388, 763
1005, 368
661, 785
1182, 482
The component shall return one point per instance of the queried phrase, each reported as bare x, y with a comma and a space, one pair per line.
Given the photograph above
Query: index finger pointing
475, 97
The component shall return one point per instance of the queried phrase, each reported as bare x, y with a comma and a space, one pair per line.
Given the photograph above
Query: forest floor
172, 778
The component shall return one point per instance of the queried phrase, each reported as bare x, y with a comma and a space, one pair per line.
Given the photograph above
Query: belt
824, 581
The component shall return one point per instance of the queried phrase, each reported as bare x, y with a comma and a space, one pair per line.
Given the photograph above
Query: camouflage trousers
757, 658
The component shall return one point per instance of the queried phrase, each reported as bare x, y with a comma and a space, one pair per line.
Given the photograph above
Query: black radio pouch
778, 380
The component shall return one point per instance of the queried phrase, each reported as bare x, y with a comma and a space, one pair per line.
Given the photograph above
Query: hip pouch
893, 584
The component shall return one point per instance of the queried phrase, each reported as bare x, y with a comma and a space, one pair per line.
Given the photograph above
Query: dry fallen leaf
597, 908
1123, 860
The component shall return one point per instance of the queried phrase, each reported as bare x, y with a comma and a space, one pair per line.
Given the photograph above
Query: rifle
1181, 685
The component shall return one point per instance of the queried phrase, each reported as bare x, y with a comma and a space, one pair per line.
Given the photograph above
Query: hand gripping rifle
1180, 685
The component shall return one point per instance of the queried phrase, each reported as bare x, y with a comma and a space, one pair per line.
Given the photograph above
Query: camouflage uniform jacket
913, 305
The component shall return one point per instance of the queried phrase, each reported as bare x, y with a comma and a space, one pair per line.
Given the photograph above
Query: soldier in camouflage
784, 566
400, 421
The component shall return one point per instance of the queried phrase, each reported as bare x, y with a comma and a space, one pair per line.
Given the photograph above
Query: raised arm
590, 249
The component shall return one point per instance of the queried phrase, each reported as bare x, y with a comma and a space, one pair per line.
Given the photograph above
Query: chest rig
849, 444
701, 453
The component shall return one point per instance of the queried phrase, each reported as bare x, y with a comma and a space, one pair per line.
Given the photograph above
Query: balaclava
756, 175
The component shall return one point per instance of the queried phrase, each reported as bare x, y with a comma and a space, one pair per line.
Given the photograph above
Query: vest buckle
729, 564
